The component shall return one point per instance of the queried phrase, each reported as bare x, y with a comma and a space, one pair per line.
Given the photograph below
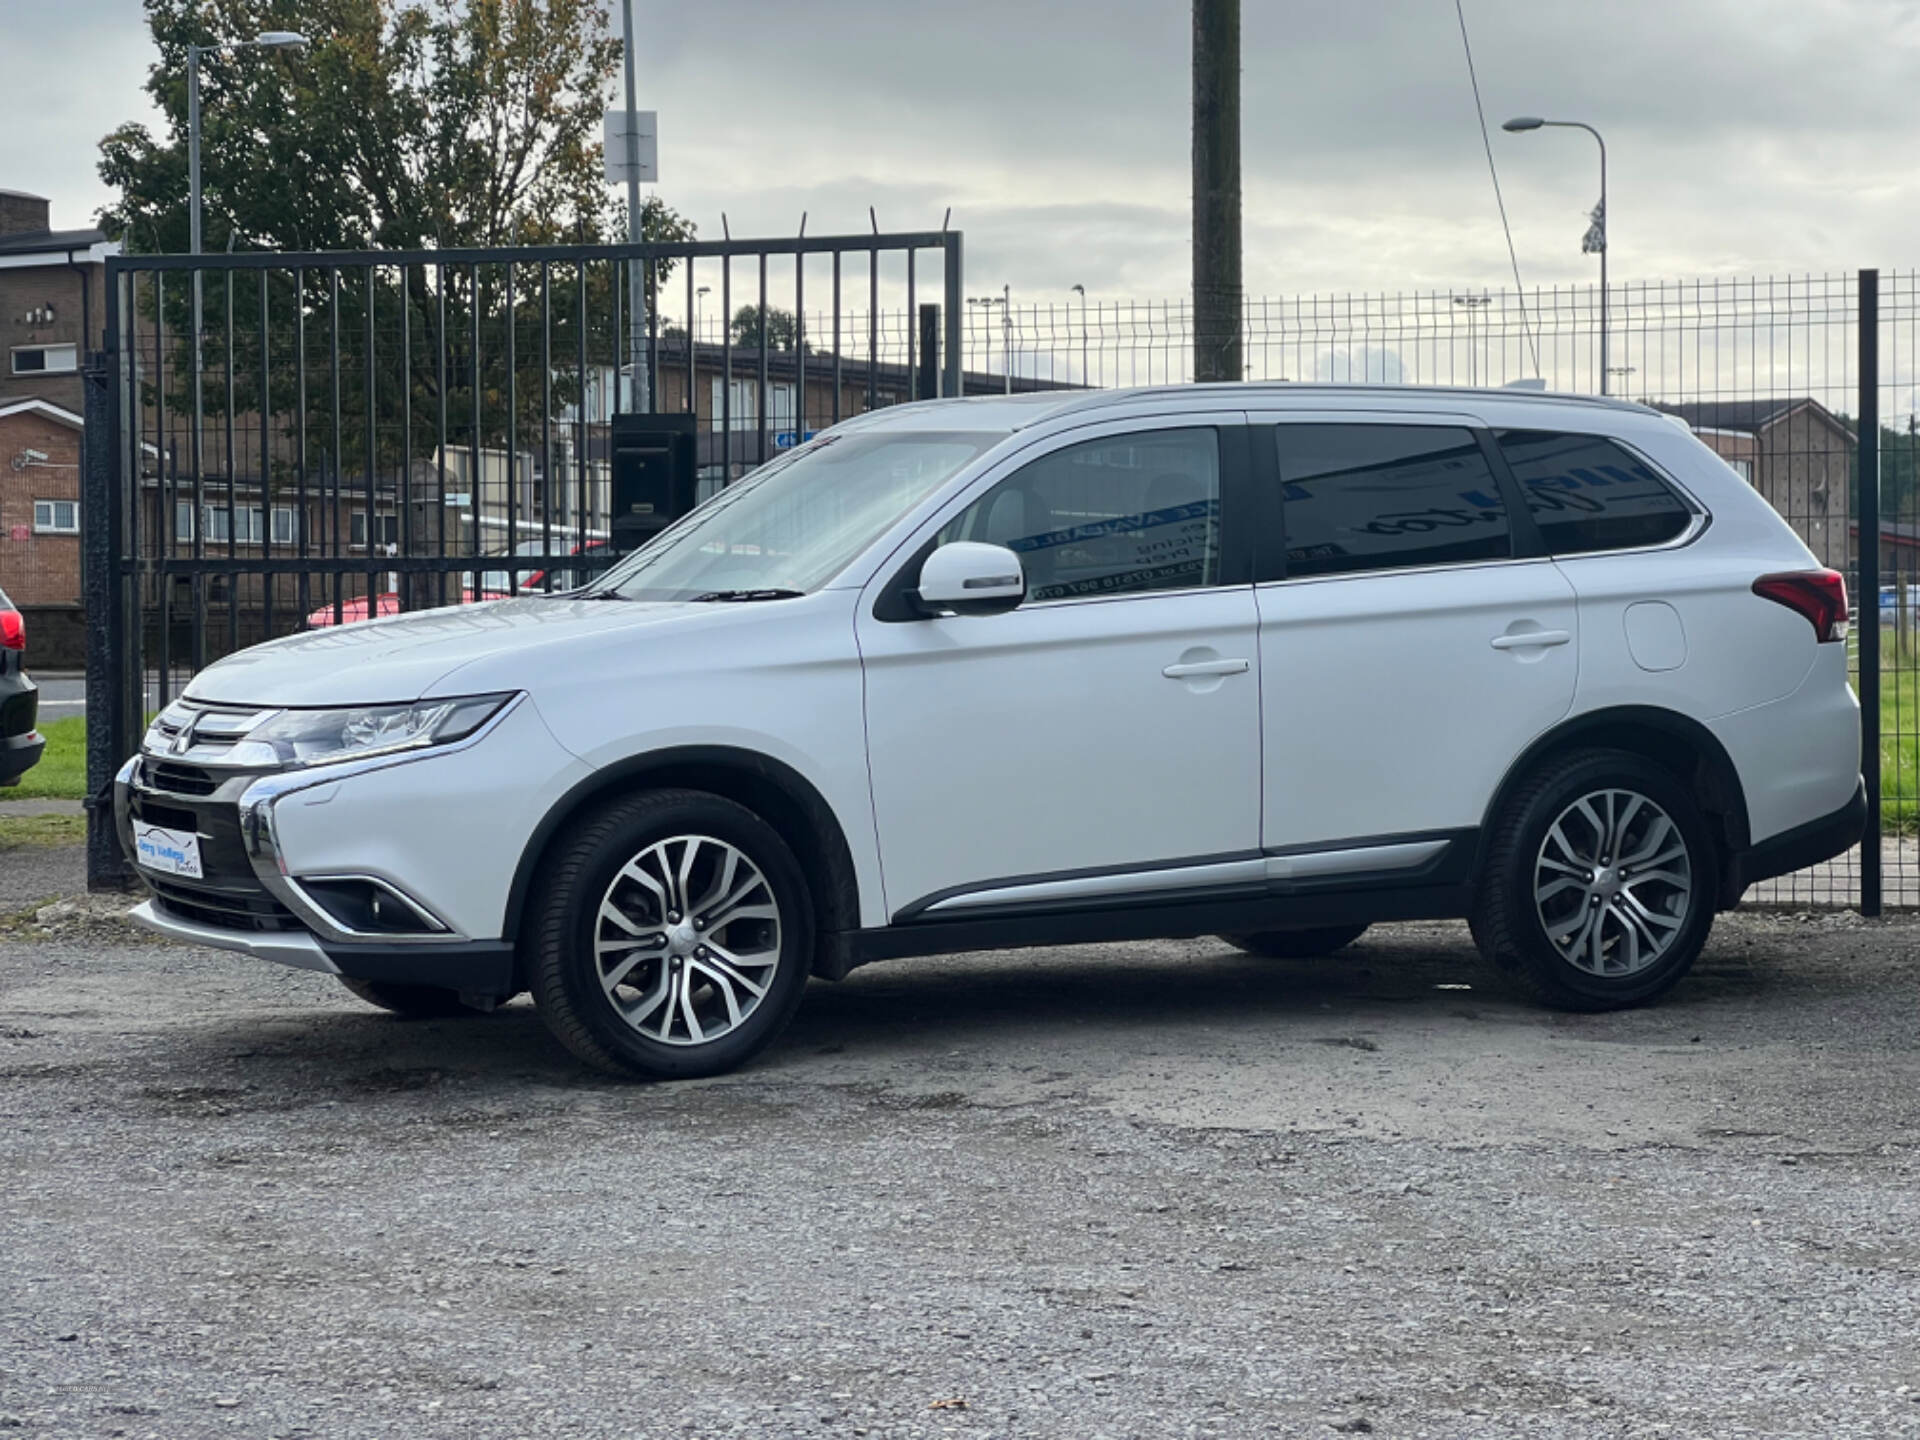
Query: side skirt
844, 952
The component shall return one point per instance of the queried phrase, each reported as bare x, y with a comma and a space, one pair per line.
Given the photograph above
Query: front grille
177, 779
230, 909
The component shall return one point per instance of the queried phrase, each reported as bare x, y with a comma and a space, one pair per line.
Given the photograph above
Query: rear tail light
13, 631
1820, 595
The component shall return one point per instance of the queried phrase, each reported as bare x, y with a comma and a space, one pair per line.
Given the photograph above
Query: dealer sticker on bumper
169, 852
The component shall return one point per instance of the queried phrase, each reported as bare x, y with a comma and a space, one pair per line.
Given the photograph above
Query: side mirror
968, 578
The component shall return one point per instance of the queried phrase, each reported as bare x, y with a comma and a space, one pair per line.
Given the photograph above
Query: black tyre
410, 1002
1598, 891
1297, 944
670, 936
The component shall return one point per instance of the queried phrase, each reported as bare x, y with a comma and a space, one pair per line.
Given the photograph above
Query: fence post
100, 531
1868, 452
926, 384
956, 374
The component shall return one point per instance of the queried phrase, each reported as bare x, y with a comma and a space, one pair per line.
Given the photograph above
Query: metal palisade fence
285, 442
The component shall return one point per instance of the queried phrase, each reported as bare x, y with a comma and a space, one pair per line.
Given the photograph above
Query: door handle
1531, 638
1205, 667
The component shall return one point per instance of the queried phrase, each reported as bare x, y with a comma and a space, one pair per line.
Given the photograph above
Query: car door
1103, 739
1413, 640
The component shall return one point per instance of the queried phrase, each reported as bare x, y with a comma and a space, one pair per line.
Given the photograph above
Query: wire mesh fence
1764, 370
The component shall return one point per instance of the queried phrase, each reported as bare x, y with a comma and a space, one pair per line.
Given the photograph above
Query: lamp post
1473, 304
1005, 301
265, 40
1595, 240
694, 329
1081, 291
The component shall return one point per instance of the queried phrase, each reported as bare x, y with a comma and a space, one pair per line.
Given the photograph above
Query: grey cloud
1763, 135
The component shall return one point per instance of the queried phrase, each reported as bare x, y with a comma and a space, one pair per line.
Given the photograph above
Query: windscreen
793, 525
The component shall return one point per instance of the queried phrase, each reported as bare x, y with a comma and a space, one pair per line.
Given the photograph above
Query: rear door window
1387, 497
1587, 493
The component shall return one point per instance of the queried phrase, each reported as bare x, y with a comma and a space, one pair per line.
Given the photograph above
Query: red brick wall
37, 569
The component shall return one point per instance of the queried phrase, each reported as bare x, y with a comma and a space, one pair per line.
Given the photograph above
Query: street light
1595, 240
265, 40
1473, 304
703, 290
1005, 301
1081, 291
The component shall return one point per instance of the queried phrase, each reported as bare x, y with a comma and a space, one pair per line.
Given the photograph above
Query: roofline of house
93, 252
33, 403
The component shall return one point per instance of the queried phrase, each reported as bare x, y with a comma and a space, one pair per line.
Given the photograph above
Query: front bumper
472, 967
258, 897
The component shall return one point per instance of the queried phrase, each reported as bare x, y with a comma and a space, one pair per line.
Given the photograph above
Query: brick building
52, 301
1796, 453
52, 304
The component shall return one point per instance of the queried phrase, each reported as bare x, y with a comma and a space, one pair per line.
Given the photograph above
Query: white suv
1271, 663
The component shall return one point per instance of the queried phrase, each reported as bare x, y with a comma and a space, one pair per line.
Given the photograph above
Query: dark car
20, 742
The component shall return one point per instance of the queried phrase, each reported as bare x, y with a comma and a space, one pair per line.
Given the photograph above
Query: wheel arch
772, 789
1678, 742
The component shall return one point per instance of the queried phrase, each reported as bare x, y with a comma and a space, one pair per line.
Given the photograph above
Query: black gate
281, 442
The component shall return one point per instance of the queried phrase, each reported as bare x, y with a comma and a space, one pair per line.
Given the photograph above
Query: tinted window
1116, 516
1587, 493
1382, 497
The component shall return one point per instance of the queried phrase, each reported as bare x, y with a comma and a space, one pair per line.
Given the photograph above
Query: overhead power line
1486, 141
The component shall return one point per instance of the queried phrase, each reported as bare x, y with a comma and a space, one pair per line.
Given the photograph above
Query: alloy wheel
1613, 883
687, 939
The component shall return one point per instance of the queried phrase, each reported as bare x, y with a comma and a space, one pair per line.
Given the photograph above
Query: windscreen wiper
771, 593
599, 595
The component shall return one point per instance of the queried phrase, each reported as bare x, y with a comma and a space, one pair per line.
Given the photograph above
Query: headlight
320, 737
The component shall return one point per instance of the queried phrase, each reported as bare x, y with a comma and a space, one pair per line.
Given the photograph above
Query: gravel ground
1127, 1191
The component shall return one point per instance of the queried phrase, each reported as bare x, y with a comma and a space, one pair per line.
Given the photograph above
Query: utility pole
1216, 190
636, 281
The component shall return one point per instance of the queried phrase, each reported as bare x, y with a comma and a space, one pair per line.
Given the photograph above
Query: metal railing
331, 436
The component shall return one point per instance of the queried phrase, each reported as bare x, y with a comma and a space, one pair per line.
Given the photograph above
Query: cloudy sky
1744, 135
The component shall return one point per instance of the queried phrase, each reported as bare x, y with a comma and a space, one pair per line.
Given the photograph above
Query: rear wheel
410, 1002
1296, 944
1599, 884
673, 936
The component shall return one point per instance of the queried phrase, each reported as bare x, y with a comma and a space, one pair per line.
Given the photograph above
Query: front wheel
673, 936
1599, 883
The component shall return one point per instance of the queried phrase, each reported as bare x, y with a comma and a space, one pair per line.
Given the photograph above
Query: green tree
408, 125
781, 328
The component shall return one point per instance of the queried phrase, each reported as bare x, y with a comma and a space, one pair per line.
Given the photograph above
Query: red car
494, 585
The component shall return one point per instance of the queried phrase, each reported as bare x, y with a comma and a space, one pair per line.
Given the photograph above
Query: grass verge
41, 830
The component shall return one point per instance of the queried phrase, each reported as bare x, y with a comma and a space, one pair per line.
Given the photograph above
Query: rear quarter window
1588, 493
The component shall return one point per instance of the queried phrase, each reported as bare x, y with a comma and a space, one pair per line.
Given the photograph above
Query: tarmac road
1143, 1190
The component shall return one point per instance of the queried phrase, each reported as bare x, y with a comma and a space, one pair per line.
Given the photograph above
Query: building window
386, 528
742, 399
56, 517
1742, 468
46, 359
286, 525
